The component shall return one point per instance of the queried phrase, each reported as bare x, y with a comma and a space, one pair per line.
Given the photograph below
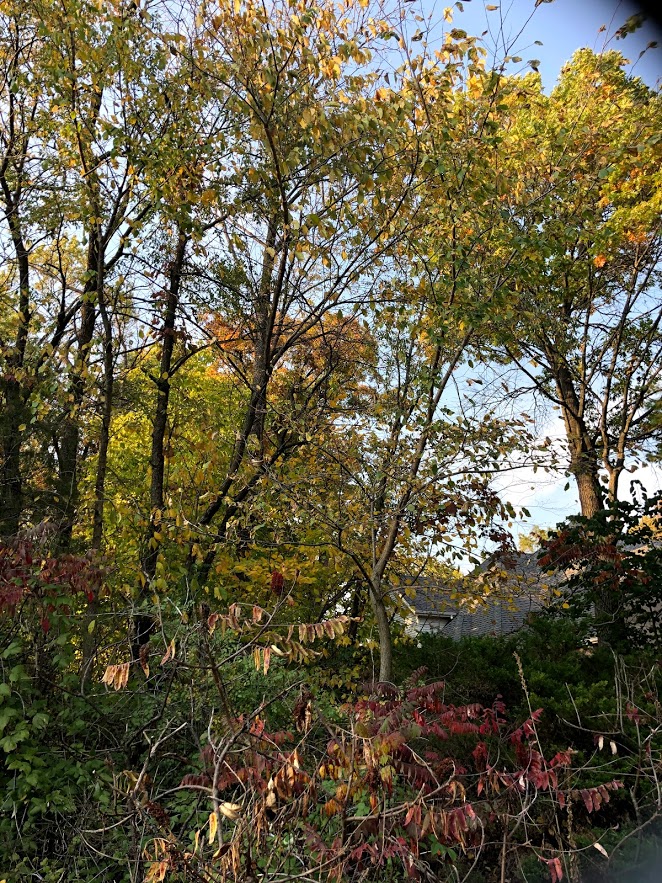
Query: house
495, 599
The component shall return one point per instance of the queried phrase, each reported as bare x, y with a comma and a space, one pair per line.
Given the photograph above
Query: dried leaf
231, 811
156, 872
144, 656
170, 652
116, 676
213, 826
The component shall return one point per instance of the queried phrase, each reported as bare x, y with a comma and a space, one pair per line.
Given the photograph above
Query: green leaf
40, 720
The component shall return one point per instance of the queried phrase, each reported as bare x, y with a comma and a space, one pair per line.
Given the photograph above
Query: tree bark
13, 387
143, 624
588, 487
89, 636
106, 415
70, 438
583, 453
384, 634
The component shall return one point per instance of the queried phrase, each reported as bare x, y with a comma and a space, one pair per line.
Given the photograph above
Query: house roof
496, 598
497, 617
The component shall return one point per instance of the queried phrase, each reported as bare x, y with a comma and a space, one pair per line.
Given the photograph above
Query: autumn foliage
288, 289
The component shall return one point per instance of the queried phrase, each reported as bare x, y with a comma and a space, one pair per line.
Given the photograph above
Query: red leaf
587, 797
555, 869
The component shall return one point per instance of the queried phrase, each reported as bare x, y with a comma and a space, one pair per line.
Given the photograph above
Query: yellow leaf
213, 826
599, 260
157, 872
121, 676
116, 676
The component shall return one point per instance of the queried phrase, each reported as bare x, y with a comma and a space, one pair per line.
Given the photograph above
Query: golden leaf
157, 871
116, 676
122, 676
213, 826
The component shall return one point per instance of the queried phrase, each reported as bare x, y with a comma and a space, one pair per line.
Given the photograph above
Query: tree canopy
280, 285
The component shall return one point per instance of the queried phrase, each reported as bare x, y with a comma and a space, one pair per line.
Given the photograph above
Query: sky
562, 26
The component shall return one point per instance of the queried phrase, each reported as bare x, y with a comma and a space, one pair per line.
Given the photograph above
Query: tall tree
322, 169
22, 112
585, 313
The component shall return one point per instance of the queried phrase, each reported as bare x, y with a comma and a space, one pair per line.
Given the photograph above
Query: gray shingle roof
517, 588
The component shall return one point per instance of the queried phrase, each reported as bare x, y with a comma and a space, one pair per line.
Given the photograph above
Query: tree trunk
15, 392
588, 487
89, 635
70, 437
157, 453
143, 624
583, 454
11, 481
254, 417
106, 415
384, 634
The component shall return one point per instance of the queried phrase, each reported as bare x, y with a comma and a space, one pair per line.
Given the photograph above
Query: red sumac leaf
555, 869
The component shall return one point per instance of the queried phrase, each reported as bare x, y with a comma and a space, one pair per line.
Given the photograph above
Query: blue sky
562, 26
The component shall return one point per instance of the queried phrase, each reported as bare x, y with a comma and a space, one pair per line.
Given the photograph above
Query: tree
72, 203
320, 170
585, 319
22, 109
